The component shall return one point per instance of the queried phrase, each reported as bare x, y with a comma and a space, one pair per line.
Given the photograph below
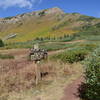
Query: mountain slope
51, 22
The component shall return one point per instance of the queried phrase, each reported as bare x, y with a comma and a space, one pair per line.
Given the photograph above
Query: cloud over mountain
18, 3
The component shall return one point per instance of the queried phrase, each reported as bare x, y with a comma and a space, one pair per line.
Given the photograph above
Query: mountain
52, 22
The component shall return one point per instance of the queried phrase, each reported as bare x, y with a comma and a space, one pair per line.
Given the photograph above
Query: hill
48, 23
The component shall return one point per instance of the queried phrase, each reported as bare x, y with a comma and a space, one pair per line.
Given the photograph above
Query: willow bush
1, 43
72, 55
90, 90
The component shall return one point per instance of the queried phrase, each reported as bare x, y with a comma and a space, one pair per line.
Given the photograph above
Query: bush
92, 76
86, 18
42, 13
5, 56
8, 18
1, 43
71, 56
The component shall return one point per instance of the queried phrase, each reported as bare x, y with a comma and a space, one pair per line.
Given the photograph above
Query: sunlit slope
51, 22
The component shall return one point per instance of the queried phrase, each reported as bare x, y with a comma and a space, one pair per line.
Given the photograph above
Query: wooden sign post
36, 55
37, 72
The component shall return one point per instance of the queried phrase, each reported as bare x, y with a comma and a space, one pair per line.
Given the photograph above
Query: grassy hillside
49, 23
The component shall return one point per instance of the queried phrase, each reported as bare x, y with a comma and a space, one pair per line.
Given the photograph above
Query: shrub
5, 56
42, 13
92, 76
86, 18
71, 56
1, 43
8, 18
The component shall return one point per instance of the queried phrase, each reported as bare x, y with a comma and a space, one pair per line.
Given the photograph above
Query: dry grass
19, 76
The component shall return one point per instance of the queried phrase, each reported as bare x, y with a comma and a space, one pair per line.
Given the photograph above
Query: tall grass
6, 56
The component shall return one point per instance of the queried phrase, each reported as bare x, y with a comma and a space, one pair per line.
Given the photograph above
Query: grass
76, 53
59, 76
5, 56
71, 55
46, 44
56, 46
32, 29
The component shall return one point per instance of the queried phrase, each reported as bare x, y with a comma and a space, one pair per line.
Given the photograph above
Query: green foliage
56, 46
42, 13
5, 56
6, 18
86, 18
89, 45
92, 75
66, 38
63, 38
97, 25
89, 32
56, 27
71, 55
1, 43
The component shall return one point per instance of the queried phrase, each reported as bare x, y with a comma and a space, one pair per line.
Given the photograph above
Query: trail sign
36, 55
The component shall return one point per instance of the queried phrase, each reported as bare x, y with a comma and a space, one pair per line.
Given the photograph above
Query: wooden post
37, 72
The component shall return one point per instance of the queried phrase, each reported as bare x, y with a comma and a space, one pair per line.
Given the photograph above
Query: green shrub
92, 76
42, 13
89, 46
1, 43
86, 18
5, 56
72, 55
8, 18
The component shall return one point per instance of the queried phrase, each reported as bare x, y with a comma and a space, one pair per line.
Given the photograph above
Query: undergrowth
6, 56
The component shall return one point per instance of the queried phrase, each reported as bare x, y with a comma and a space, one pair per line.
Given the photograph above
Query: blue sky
14, 7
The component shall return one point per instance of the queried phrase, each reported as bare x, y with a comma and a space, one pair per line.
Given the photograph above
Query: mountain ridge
54, 9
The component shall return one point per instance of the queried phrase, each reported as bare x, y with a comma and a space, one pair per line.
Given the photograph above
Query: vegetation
52, 32
90, 90
8, 18
86, 18
50, 27
63, 38
5, 56
42, 13
56, 46
71, 55
62, 24
75, 52
1, 43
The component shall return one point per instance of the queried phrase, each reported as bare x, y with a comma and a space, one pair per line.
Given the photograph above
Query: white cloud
18, 3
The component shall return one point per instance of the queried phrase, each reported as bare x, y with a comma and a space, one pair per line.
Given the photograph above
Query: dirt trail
24, 52
71, 90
